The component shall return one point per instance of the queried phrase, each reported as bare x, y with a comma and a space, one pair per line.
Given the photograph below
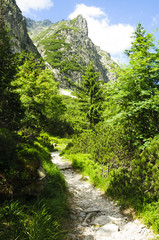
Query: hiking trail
93, 216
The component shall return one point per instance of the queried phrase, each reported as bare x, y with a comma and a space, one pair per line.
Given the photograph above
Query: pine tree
90, 95
136, 92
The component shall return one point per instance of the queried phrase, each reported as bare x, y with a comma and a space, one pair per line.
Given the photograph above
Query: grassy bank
42, 217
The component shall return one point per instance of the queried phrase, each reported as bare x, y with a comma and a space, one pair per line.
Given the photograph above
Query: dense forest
112, 130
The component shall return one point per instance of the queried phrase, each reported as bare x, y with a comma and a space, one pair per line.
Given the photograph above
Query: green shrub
106, 145
150, 215
7, 149
46, 140
28, 161
145, 169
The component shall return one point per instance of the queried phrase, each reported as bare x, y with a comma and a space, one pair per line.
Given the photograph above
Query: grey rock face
69, 44
16, 23
81, 23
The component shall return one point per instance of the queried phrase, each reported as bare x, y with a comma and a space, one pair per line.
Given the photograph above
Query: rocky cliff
67, 48
16, 23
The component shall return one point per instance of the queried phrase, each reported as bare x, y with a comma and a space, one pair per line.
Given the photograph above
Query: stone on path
106, 232
101, 220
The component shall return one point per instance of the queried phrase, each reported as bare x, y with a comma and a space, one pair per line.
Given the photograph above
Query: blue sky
110, 22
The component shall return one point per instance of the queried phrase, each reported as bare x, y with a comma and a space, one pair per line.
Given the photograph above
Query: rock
115, 220
88, 210
89, 237
41, 173
90, 215
35, 188
101, 220
71, 236
85, 178
16, 23
106, 232
96, 209
73, 217
37, 26
76, 50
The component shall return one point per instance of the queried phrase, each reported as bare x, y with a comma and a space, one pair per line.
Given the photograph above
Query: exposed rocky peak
16, 23
81, 23
66, 46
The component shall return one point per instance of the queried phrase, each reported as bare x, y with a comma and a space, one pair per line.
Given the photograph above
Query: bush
145, 170
46, 140
106, 145
7, 149
28, 161
150, 215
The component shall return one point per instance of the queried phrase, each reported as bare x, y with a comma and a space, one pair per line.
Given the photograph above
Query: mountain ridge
66, 47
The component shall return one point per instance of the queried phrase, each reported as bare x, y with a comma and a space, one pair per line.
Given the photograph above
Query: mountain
35, 27
16, 23
66, 47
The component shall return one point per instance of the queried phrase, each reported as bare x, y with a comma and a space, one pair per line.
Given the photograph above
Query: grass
42, 217
85, 164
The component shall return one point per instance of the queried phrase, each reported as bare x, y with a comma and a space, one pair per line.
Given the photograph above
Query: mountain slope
35, 27
16, 23
66, 46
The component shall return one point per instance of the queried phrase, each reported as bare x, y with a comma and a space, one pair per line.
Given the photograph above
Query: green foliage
150, 215
87, 166
145, 170
105, 144
28, 161
21, 219
11, 111
46, 140
7, 149
34, 88
73, 116
90, 95
38, 93
133, 98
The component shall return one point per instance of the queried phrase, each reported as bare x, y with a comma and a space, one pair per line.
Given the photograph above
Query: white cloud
113, 38
155, 20
26, 5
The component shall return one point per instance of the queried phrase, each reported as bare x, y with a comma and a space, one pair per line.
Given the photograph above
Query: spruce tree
135, 95
90, 95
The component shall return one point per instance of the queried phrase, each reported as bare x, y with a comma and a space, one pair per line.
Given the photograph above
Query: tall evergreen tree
90, 95
136, 92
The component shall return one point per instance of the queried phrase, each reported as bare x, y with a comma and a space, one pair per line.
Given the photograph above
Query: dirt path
94, 217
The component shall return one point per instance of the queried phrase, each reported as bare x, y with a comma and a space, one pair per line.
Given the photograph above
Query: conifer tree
136, 92
90, 95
